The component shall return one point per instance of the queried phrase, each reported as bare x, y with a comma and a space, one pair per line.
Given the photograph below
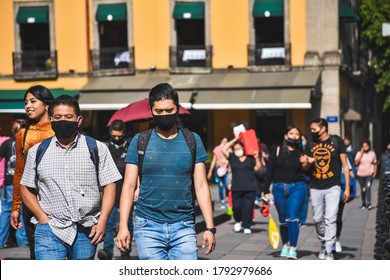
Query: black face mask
64, 129
165, 122
293, 142
315, 136
118, 141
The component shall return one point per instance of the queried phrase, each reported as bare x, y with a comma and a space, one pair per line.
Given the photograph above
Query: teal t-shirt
166, 188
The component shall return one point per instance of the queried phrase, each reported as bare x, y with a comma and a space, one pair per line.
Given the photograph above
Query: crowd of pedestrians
63, 192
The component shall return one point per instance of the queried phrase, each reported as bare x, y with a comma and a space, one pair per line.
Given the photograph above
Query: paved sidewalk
357, 238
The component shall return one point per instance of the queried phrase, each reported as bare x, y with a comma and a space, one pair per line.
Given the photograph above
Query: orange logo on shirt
322, 155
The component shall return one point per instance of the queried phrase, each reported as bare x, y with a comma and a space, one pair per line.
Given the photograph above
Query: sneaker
338, 247
303, 226
237, 227
322, 254
292, 254
363, 207
285, 251
247, 231
104, 255
369, 207
329, 256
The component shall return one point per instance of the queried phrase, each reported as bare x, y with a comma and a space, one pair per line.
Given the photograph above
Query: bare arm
359, 157
226, 148
203, 196
258, 162
212, 165
99, 230
344, 162
126, 203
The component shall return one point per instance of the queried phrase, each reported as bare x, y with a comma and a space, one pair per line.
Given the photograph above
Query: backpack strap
40, 152
191, 142
141, 148
94, 154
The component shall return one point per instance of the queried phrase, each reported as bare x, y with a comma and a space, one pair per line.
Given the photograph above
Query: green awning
111, 12
346, 13
33, 15
188, 10
268, 8
11, 101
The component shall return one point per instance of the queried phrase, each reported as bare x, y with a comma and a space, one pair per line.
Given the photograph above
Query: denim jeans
365, 186
162, 241
112, 221
5, 225
49, 247
305, 206
288, 201
325, 207
223, 183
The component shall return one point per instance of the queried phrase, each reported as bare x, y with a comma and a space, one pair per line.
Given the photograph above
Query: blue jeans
305, 206
288, 201
223, 186
365, 186
108, 245
157, 241
49, 247
5, 225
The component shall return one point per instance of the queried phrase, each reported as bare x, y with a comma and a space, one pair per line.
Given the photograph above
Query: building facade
264, 63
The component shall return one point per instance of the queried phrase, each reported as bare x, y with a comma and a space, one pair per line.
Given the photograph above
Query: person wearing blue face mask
74, 196
244, 183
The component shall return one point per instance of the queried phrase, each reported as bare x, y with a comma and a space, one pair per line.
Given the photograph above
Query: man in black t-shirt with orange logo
327, 154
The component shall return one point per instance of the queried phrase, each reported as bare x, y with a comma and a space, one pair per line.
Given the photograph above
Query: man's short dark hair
118, 125
65, 100
321, 123
163, 91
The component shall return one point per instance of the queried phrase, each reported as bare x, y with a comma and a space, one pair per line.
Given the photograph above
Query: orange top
35, 134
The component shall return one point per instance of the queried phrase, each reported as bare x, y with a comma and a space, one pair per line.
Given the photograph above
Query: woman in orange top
36, 104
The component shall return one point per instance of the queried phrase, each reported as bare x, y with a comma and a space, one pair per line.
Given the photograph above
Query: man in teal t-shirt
164, 226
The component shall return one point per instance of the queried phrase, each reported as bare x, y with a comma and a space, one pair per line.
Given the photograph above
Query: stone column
322, 21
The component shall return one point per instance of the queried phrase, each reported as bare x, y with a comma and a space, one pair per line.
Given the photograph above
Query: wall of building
7, 37
70, 25
151, 22
229, 33
71, 33
298, 31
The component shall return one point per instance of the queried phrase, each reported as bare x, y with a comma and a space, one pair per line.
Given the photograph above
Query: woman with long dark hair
37, 100
289, 187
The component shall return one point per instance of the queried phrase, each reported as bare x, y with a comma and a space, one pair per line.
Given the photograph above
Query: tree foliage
374, 13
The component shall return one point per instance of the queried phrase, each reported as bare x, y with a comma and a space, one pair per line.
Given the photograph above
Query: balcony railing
113, 59
32, 65
191, 56
269, 54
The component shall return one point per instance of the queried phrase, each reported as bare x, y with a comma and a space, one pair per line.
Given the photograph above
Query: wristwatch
213, 230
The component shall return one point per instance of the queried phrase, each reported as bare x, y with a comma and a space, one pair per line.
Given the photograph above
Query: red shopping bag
249, 139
